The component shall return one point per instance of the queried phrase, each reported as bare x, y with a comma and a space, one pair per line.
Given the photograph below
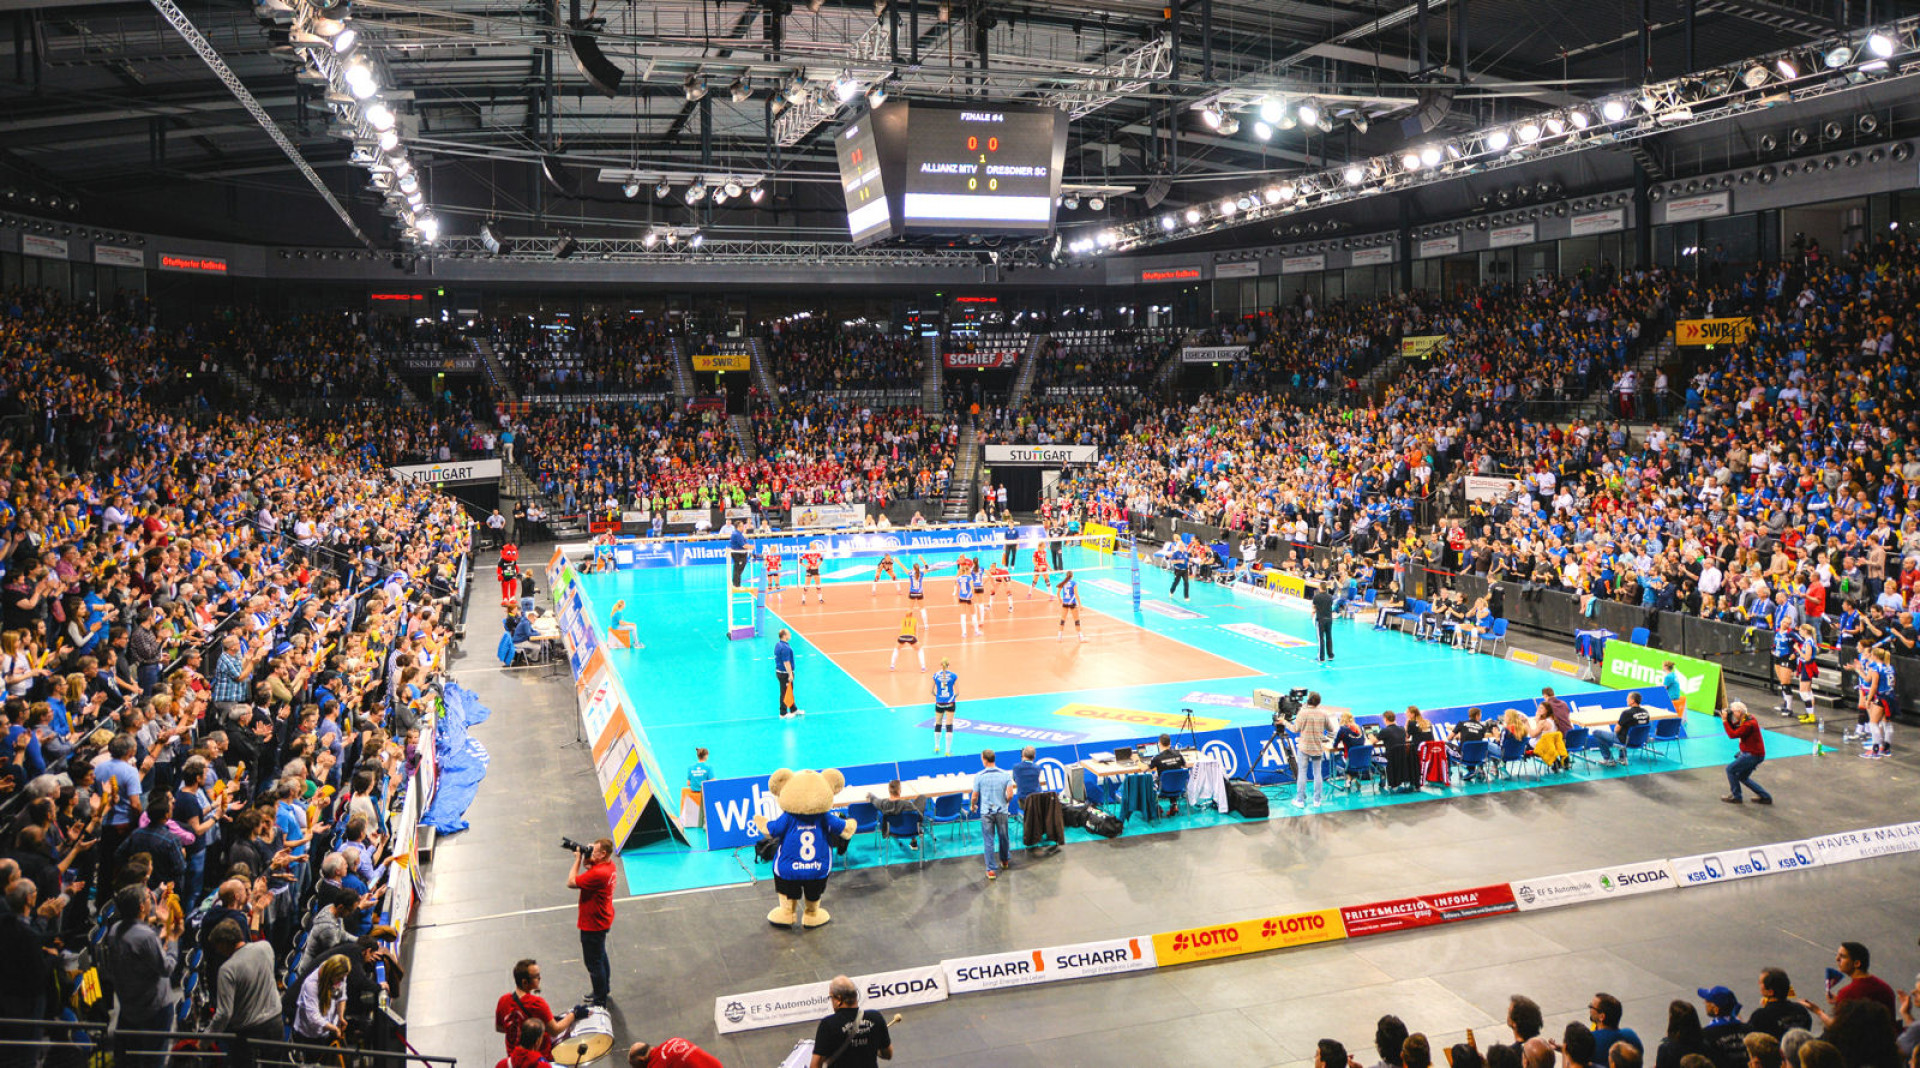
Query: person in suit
1323, 621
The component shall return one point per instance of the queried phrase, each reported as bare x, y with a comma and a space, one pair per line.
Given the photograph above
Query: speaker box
599, 71
1434, 106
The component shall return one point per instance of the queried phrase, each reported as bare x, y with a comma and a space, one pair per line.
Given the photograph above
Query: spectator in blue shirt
1604, 1013
992, 789
783, 674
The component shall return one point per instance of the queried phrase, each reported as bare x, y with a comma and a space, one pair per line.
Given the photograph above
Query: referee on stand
737, 548
1181, 563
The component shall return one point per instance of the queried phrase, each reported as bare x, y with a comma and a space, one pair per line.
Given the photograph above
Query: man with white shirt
1710, 578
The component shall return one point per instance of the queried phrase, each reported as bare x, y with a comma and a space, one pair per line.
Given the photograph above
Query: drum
588, 1040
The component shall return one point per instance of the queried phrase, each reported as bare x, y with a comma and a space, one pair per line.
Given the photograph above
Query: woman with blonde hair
323, 1003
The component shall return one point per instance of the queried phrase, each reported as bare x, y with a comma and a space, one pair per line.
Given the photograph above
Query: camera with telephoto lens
1289, 706
585, 851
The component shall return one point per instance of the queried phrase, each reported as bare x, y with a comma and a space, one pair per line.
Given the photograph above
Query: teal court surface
1025, 680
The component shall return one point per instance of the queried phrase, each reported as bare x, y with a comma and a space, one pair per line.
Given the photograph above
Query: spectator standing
850, 1038
1323, 622
140, 959
593, 877
246, 1002
992, 789
27, 934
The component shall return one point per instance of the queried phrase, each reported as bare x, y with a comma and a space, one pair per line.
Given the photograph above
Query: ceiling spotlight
1579, 119
1271, 110
695, 87
720, 197
631, 189
360, 80
1097, 203
672, 239
733, 187
696, 240
650, 240
695, 193
845, 88
1228, 207
379, 116
1867, 125
1497, 140
1262, 130
429, 229
1229, 125
1529, 132
1167, 222
1411, 161
739, 90
756, 194
565, 247
1193, 216
1287, 192
1287, 122
1309, 113
1556, 125
1071, 202
1880, 45
1274, 194
344, 41
1211, 116
1355, 174
389, 140
1838, 55
1430, 155
1754, 77
663, 189
876, 96
1788, 69
796, 90
1361, 124
1613, 110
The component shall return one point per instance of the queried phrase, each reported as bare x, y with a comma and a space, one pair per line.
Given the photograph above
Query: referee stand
746, 611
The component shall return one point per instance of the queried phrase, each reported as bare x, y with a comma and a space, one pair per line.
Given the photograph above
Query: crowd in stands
816, 353
221, 635
609, 353
829, 452
1863, 1022
1121, 360
312, 355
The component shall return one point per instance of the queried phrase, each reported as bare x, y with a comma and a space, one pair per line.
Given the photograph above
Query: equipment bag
1103, 823
1246, 800
1074, 813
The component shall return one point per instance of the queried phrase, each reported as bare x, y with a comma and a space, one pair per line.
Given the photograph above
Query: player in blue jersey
1879, 739
1783, 639
1806, 667
805, 858
917, 589
945, 682
963, 594
1068, 594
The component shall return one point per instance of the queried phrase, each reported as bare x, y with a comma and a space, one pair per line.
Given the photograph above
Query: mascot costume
803, 837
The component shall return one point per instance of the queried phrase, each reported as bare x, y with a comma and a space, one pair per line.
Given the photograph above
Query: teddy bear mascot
805, 831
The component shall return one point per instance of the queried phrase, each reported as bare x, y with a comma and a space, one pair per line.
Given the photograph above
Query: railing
82, 1043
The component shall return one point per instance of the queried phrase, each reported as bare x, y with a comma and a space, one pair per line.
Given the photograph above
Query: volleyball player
1069, 597
1866, 682
998, 582
909, 635
1880, 707
770, 560
1806, 652
917, 589
810, 560
885, 566
944, 684
1042, 573
1783, 640
963, 594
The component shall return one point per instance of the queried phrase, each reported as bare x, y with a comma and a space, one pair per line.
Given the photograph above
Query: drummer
524, 1003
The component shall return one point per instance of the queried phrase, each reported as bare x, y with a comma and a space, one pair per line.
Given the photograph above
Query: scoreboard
931, 170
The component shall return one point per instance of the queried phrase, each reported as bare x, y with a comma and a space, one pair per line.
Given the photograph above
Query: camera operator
592, 875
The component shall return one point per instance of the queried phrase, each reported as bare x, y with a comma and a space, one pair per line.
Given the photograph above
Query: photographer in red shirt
592, 875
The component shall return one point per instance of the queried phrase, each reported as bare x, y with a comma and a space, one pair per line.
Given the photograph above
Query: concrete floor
497, 893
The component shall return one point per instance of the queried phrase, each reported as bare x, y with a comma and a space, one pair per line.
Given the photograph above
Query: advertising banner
984, 361
1247, 936
1867, 842
439, 365
1406, 913
1420, 346
1249, 269
731, 361
1705, 206
1626, 665
53, 248
1083, 960
1489, 487
1372, 257
807, 1002
1731, 864
114, 256
1170, 274
1213, 354
1440, 246
1303, 264
175, 261
1039, 455
452, 471
1572, 888
829, 515
690, 517
1712, 331
1504, 236
1599, 222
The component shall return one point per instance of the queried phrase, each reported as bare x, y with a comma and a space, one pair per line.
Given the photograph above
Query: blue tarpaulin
462, 761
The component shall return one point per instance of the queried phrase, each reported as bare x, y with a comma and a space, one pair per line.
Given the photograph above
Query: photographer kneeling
592, 875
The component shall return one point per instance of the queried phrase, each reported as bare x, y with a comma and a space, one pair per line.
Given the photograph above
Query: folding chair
1173, 785
1513, 750
1473, 760
1666, 736
1496, 633
905, 829
948, 809
865, 816
1357, 767
1577, 744
1638, 740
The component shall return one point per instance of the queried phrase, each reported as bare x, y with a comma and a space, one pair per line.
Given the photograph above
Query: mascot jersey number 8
804, 830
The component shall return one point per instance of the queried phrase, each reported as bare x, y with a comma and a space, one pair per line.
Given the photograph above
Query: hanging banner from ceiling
1504, 236
111, 256
1250, 269
1599, 222
1440, 246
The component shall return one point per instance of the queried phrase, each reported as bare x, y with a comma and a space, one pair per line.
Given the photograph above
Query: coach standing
592, 875
1323, 621
1181, 563
737, 548
783, 674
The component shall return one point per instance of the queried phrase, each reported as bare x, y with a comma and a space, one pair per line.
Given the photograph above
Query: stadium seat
1637, 741
1473, 760
1666, 736
948, 809
1173, 785
1496, 635
1356, 767
1639, 636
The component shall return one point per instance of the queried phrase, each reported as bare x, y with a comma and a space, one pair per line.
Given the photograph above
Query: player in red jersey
885, 567
771, 561
1042, 572
810, 561
999, 581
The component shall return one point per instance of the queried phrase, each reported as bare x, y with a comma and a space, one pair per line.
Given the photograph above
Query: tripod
1186, 724
1277, 741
